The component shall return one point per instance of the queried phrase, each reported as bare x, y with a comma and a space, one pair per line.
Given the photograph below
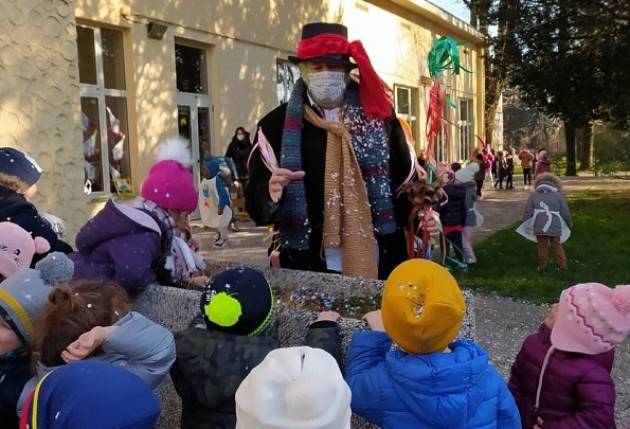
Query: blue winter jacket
457, 390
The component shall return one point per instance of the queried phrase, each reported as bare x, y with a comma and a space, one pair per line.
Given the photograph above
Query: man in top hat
329, 163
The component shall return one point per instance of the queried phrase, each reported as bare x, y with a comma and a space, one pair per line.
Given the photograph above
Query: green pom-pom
223, 310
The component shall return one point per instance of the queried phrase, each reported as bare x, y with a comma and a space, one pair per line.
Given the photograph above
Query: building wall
398, 40
243, 41
39, 93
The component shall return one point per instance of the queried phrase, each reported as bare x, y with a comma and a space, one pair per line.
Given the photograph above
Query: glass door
193, 121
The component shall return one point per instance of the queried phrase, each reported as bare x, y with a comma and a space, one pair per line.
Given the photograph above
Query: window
406, 100
190, 67
465, 126
104, 116
286, 75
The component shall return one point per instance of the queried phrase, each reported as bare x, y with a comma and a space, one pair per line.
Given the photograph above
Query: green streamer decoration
444, 56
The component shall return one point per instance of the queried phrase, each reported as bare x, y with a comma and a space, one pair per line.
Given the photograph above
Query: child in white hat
297, 387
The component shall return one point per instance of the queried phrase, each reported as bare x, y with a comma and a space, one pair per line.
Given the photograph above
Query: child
430, 381
22, 296
473, 217
19, 174
92, 395
18, 248
216, 206
90, 319
561, 377
215, 354
509, 161
542, 164
527, 160
549, 218
453, 217
149, 243
502, 170
480, 176
298, 387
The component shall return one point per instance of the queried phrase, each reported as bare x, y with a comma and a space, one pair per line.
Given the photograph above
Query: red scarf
373, 92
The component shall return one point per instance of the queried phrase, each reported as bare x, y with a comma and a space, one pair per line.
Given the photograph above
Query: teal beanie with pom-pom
238, 301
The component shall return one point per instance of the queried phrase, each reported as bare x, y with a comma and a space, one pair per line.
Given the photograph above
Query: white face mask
327, 88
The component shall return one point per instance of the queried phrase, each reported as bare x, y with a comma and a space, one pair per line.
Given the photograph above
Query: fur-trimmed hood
548, 179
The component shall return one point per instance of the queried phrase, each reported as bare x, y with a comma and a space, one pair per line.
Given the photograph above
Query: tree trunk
586, 163
569, 131
580, 144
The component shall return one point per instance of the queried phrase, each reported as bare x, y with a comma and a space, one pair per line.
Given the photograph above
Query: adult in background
527, 162
480, 176
330, 162
239, 149
509, 160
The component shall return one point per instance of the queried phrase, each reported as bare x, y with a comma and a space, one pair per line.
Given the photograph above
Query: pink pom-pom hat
170, 184
592, 318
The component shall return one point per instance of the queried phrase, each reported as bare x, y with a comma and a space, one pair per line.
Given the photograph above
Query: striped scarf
371, 145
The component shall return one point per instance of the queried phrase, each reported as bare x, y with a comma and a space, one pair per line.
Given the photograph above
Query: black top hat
315, 29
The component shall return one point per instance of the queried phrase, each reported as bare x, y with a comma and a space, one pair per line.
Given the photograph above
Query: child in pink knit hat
149, 242
561, 378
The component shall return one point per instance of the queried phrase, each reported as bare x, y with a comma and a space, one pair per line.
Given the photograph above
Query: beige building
91, 87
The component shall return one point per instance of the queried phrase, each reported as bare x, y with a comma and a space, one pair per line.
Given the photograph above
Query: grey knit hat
24, 294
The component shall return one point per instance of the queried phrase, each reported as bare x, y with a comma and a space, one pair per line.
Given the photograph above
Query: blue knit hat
91, 394
238, 301
18, 164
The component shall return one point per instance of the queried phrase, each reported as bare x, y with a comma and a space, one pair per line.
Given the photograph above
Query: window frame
412, 116
465, 129
100, 92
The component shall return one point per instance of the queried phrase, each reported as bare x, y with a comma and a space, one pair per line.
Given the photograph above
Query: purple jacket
120, 243
577, 393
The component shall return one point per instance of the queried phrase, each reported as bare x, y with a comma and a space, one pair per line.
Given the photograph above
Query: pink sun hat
592, 318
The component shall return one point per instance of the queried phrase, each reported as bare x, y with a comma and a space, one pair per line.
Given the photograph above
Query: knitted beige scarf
347, 216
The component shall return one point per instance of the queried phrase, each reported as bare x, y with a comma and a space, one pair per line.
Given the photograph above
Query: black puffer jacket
211, 365
15, 208
453, 213
14, 373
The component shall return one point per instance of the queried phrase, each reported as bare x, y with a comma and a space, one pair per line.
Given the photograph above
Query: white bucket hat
294, 388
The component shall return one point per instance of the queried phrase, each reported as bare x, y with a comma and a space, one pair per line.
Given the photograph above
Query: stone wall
39, 99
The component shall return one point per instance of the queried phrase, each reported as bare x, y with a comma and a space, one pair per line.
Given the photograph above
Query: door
193, 121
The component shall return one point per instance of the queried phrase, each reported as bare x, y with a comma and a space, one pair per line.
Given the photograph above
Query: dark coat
15, 371
15, 208
239, 152
211, 365
116, 247
578, 391
453, 213
263, 211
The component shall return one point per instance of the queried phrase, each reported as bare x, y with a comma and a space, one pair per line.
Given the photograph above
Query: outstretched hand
280, 179
374, 320
330, 316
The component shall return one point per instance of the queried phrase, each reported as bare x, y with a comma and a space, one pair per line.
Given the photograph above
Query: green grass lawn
598, 251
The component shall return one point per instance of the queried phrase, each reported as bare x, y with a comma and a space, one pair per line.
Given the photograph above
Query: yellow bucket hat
422, 307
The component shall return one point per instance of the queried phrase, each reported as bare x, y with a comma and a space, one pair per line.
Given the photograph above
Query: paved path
500, 208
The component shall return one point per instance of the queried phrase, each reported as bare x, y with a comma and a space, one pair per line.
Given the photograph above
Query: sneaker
220, 243
234, 227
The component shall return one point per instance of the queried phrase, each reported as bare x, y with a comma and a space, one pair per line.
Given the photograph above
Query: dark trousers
479, 187
527, 176
509, 181
455, 238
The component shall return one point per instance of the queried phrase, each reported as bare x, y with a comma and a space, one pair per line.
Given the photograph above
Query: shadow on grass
598, 251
